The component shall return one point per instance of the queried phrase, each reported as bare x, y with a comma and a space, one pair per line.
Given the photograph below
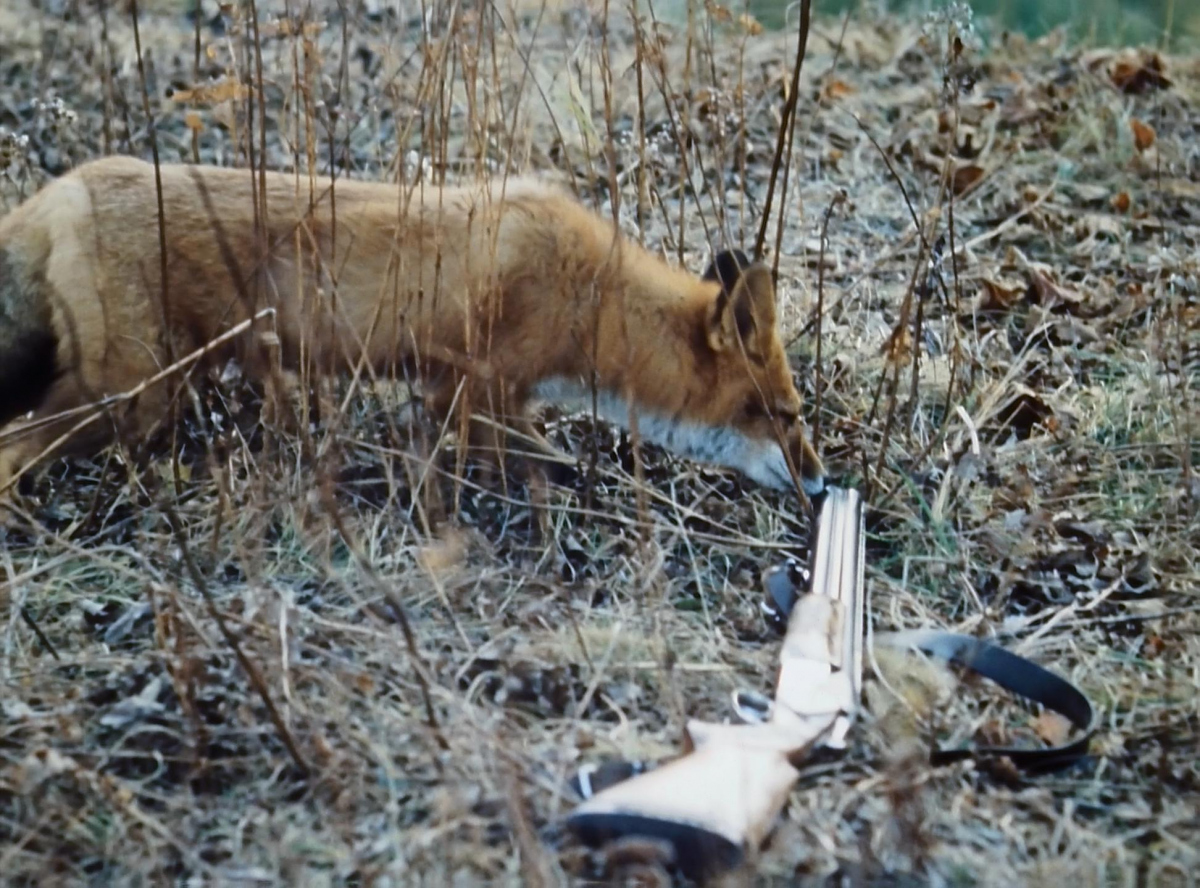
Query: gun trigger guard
752, 707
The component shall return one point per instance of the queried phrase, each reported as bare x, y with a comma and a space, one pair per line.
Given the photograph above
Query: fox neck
646, 336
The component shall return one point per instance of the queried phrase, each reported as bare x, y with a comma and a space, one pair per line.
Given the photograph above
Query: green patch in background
1101, 22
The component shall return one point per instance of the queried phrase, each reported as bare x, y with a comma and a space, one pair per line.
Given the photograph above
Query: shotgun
717, 802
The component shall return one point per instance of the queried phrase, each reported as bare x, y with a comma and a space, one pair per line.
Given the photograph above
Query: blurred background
1171, 24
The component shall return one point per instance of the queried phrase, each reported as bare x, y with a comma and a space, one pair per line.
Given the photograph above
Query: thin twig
785, 125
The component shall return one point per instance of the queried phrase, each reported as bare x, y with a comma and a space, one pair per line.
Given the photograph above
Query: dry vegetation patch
258, 664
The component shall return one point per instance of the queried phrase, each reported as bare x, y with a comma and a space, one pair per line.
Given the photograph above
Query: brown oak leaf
965, 178
1143, 134
836, 89
1139, 73
997, 297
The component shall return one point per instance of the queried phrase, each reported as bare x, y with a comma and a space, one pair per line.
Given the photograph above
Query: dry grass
234, 701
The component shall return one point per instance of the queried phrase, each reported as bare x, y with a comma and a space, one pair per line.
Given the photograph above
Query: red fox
501, 295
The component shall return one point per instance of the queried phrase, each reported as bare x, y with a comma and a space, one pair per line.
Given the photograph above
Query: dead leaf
1021, 414
718, 12
1048, 293
224, 90
1137, 73
1052, 728
1121, 202
997, 297
750, 24
1143, 134
965, 178
898, 346
836, 89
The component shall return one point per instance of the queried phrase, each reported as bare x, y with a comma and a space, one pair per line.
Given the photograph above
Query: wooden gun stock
720, 799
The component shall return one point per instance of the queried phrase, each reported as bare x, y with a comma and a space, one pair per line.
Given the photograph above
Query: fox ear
727, 267
746, 309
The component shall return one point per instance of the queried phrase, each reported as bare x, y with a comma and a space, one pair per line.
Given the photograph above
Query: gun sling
1013, 673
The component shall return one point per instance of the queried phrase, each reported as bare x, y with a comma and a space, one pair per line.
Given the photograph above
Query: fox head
698, 363
755, 397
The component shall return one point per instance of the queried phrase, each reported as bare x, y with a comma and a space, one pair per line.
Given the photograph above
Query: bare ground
1027, 429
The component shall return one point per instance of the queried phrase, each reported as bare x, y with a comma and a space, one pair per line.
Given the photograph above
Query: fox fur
499, 295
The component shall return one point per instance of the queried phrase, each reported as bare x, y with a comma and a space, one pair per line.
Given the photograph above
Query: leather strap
1013, 673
